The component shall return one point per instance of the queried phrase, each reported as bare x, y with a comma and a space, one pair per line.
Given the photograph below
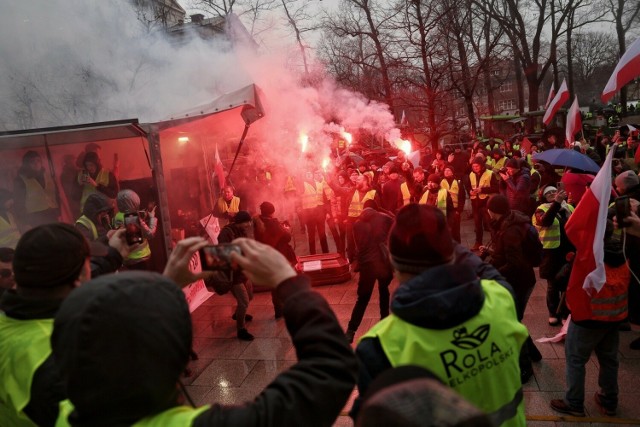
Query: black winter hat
49, 255
512, 163
419, 239
267, 208
498, 204
242, 216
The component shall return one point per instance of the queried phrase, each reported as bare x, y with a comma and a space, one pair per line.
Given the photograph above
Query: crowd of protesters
67, 322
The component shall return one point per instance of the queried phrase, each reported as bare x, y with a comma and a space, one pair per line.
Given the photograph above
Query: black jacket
370, 232
142, 382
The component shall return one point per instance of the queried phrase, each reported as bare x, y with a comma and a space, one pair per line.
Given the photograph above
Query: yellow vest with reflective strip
320, 192
289, 185
356, 206
485, 182
88, 224
25, 346
478, 358
178, 416
441, 200
9, 234
549, 236
87, 189
454, 190
144, 251
406, 194
233, 207
36, 198
310, 196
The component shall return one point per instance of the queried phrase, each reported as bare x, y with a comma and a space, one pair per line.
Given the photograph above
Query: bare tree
299, 20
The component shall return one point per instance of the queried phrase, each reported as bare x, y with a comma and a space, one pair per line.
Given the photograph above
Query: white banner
196, 292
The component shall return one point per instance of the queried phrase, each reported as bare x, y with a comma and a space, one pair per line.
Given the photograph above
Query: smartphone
218, 257
623, 210
133, 230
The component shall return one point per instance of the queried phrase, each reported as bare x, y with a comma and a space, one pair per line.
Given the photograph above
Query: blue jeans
579, 344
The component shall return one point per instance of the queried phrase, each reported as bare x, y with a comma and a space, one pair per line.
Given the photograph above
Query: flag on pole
525, 146
552, 94
627, 69
219, 169
403, 119
585, 228
574, 121
558, 101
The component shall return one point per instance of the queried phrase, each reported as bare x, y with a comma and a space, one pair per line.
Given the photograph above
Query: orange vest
611, 303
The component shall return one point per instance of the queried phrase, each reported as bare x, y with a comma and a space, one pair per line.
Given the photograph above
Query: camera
218, 257
133, 229
623, 210
503, 170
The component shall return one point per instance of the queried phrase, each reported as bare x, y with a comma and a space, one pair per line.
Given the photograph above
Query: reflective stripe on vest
310, 196
478, 358
37, 198
144, 251
441, 200
356, 205
89, 225
233, 207
549, 236
485, 182
406, 194
611, 303
454, 190
101, 179
25, 346
497, 165
320, 192
178, 416
9, 234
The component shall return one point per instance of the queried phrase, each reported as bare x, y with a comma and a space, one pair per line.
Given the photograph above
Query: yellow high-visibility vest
406, 194
356, 206
454, 190
87, 189
37, 198
9, 234
485, 182
441, 200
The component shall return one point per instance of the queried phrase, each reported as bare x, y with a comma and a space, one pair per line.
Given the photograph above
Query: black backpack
531, 246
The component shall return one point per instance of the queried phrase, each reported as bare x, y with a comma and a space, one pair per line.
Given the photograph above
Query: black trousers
366, 282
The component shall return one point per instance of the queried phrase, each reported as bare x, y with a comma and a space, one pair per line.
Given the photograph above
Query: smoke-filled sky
76, 61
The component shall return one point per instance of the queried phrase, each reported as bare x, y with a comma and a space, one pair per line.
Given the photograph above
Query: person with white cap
549, 219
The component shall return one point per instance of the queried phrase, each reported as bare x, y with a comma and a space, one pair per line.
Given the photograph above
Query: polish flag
574, 121
558, 101
552, 94
627, 69
585, 229
219, 169
525, 146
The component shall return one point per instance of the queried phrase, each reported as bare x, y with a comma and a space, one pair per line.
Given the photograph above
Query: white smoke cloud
79, 61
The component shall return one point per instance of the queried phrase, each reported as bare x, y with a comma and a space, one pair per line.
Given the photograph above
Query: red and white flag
525, 146
628, 68
219, 169
403, 119
558, 101
574, 121
552, 94
585, 229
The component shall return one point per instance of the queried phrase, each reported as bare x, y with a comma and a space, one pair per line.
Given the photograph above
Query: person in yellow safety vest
95, 221
227, 206
312, 212
549, 219
436, 196
595, 327
49, 262
94, 178
7, 281
9, 233
128, 201
356, 198
330, 210
483, 184
34, 193
139, 384
451, 313
413, 189
456, 190
496, 161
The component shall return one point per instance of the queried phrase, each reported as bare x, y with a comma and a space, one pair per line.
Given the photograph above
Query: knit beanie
434, 177
49, 255
267, 208
512, 163
419, 239
498, 204
242, 216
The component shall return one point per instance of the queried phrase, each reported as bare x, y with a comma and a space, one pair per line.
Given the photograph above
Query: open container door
120, 146
183, 151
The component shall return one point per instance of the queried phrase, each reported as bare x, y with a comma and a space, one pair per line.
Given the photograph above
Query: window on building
506, 104
506, 87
